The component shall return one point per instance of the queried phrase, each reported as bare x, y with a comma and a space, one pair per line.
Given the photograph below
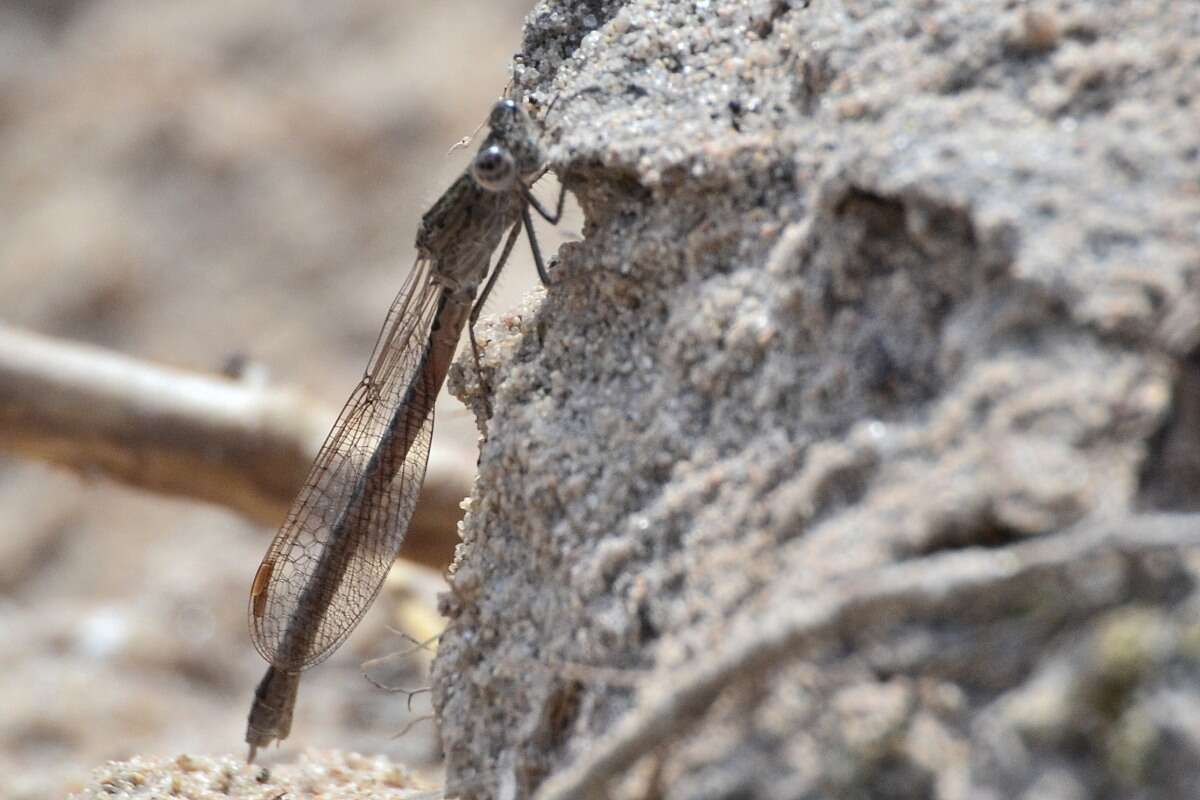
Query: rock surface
822, 467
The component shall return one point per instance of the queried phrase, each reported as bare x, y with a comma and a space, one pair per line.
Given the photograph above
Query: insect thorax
463, 229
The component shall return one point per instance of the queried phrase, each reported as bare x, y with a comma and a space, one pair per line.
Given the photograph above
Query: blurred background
190, 183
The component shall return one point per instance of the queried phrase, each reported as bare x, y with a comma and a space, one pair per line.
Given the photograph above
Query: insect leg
477, 309
538, 207
527, 220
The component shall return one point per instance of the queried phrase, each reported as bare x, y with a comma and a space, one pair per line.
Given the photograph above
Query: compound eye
504, 110
493, 169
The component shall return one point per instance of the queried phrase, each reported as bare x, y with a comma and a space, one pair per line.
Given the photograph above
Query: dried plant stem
204, 437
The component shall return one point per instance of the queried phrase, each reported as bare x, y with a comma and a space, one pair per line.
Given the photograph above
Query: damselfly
328, 561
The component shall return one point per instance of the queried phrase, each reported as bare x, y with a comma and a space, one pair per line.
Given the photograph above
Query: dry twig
205, 437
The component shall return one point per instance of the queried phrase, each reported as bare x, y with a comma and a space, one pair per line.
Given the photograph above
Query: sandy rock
828, 444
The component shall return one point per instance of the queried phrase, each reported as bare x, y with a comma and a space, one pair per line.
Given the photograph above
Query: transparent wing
328, 561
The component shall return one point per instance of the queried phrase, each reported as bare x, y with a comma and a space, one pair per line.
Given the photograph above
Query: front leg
477, 309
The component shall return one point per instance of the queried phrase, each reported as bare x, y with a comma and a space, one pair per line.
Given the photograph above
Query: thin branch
204, 437
907, 590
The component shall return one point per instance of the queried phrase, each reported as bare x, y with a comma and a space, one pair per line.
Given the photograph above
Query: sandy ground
189, 183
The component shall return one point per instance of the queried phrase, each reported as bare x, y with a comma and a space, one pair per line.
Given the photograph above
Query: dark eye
493, 169
503, 110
